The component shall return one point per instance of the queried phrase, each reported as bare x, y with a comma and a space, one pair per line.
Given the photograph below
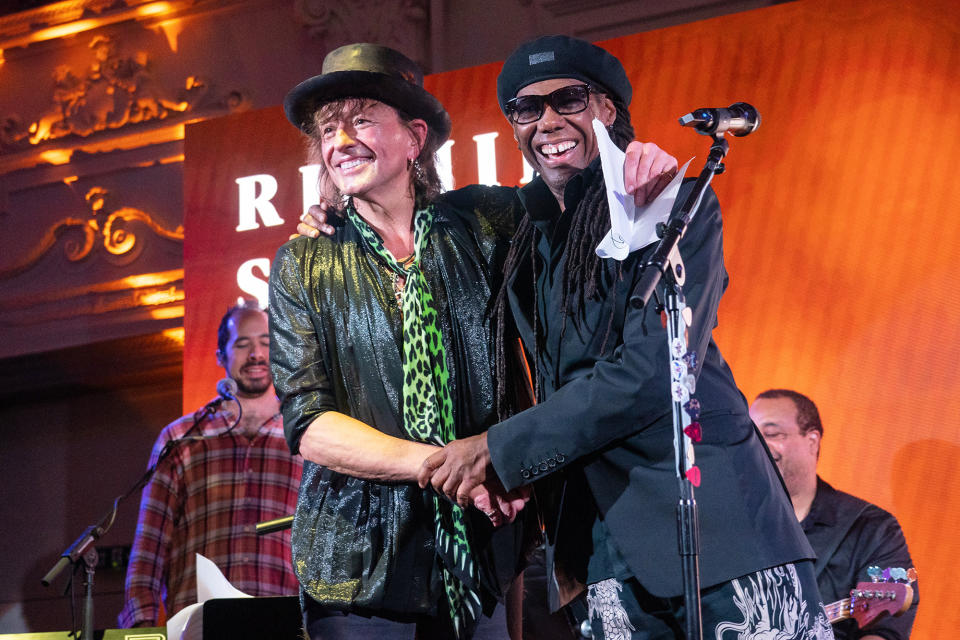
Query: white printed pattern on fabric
773, 608
603, 601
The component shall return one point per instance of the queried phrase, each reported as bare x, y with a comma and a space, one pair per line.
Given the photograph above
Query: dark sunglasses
565, 101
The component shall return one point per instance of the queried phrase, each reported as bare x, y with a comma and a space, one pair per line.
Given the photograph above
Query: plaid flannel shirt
205, 497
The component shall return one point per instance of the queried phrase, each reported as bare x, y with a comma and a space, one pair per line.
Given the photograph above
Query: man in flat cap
598, 446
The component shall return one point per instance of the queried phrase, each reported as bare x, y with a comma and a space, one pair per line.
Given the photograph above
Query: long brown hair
425, 180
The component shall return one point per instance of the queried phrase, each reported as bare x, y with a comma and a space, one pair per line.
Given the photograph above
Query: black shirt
850, 535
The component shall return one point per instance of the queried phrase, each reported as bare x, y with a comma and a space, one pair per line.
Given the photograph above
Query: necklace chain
399, 280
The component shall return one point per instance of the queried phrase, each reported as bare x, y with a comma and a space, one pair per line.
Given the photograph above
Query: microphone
739, 119
227, 390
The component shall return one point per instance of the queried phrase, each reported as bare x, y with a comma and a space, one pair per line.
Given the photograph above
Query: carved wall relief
115, 90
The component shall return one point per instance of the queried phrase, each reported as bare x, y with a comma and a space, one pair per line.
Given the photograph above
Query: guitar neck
839, 610
870, 600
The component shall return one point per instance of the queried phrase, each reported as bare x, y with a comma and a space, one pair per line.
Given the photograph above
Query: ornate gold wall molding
53, 14
114, 91
110, 230
145, 289
70, 17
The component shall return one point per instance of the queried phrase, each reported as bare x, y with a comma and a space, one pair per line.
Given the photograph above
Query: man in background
848, 534
230, 471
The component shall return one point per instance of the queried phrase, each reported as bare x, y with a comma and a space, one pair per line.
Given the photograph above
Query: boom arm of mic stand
91, 534
656, 267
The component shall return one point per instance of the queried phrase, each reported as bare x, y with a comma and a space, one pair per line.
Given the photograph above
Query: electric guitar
889, 593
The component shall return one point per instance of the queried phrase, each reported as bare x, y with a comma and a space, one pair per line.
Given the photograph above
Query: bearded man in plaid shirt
210, 491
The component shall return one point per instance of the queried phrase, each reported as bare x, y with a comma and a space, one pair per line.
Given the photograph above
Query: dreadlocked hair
581, 273
588, 224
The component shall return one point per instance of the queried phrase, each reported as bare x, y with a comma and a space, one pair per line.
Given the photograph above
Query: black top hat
365, 70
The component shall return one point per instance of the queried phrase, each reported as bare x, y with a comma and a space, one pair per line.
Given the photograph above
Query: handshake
462, 471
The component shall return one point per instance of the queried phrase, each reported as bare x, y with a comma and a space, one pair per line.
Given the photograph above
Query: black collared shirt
850, 535
554, 226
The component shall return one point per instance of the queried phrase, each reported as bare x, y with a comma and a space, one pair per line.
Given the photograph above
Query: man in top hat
380, 356
598, 446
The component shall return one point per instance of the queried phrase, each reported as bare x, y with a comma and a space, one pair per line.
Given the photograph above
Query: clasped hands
462, 472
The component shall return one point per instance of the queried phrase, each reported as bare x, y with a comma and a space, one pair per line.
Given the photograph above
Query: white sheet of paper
211, 583
631, 227
187, 624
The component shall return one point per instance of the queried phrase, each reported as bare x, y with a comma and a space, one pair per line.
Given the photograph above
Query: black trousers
327, 624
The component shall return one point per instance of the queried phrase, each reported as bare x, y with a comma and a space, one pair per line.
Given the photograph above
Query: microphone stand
671, 231
665, 268
83, 547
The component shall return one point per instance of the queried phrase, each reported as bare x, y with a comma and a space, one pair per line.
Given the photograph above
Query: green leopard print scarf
428, 408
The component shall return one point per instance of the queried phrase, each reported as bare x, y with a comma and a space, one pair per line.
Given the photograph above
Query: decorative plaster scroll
115, 91
398, 23
116, 238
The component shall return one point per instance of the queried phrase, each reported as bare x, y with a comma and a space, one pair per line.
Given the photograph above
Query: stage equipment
277, 524
83, 547
665, 268
140, 633
227, 390
273, 617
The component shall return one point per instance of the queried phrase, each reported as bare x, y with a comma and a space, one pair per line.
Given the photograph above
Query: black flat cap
373, 71
561, 57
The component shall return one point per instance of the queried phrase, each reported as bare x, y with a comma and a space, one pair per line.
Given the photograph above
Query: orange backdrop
841, 229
